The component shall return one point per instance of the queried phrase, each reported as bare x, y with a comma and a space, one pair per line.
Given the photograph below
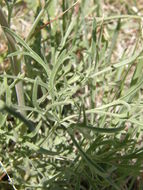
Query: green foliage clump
78, 125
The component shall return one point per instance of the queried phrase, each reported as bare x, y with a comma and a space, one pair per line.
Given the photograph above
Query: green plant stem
14, 62
110, 18
36, 22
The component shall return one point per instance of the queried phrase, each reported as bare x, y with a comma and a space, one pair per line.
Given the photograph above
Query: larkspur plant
71, 97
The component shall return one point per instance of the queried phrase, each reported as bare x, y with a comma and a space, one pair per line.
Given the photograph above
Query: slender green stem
37, 21
101, 19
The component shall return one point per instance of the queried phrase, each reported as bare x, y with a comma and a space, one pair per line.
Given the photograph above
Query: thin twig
9, 178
